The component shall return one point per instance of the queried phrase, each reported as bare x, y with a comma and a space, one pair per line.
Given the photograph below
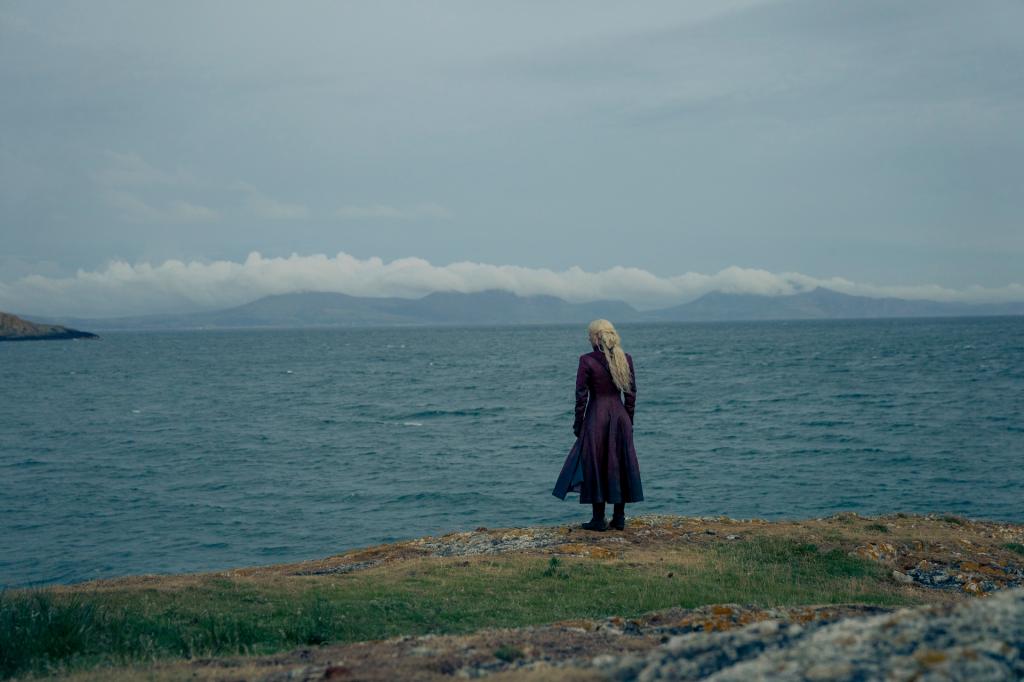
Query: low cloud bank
174, 286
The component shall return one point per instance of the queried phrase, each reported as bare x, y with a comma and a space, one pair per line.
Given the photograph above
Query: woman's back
598, 397
599, 379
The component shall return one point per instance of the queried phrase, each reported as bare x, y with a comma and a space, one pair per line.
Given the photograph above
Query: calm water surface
167, 452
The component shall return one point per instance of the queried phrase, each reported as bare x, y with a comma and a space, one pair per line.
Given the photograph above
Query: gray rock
977, 640
902, 578
343, 568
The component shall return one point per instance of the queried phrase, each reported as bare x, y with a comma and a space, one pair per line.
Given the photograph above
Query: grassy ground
63, 629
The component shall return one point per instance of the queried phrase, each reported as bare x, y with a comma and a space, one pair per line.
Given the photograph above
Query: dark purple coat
602, 465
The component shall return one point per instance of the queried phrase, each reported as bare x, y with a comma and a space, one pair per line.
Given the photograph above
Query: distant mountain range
322, 309
821, 304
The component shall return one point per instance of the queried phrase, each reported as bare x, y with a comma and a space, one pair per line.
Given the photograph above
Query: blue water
168, 452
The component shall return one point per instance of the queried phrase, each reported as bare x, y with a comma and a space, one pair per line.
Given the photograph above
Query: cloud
126, 289
386, 212
131, 170
133, 208
266, 208
131, 186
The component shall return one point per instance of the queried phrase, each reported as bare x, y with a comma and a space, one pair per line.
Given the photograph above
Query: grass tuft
1014, 547
552, 569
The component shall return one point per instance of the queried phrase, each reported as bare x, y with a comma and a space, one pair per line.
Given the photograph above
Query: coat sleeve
582, 377
630, 398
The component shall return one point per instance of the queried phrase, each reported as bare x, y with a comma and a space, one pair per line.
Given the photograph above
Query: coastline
531, 602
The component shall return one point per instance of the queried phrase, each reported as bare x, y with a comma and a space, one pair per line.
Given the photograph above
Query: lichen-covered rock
971, 577
977, 640
698, 655
884, 552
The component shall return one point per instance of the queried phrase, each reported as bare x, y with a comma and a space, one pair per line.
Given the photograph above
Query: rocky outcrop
973, 640
13, 328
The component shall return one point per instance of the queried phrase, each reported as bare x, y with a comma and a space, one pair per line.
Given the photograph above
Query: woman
602, 464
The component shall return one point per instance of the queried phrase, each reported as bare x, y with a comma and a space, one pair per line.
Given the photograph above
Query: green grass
1014, 547
45, 632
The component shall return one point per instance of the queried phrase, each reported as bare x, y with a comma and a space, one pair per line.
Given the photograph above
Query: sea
203, 450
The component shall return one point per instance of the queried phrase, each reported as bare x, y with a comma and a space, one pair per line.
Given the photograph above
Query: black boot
619, 517
596, 521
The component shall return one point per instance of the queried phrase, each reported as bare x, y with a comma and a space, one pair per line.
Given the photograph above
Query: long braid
607, 340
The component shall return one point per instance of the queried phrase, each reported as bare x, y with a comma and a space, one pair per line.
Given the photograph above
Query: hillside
819, 304
326, 309
14, 328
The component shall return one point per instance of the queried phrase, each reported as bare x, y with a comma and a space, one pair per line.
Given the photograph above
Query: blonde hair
603, 335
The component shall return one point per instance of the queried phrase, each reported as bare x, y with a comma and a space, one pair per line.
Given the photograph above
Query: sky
159, 157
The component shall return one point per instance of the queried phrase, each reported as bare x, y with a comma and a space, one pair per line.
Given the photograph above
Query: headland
14, 328
670, 597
